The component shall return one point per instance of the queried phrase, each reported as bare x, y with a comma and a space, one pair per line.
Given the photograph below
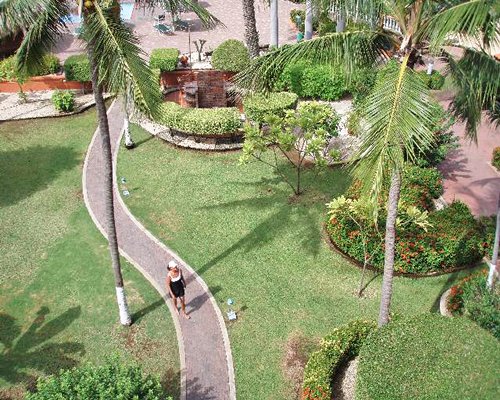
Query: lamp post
188, 21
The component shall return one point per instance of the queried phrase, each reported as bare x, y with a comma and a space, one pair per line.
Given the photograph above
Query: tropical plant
231, 55
398, 113
115, 59
63, 100
251, 34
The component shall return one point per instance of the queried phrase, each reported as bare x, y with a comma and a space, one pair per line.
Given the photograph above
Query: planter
47, 82
443, 304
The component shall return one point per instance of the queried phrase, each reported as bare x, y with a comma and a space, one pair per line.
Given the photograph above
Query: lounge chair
181, 25
164, 29
160, 18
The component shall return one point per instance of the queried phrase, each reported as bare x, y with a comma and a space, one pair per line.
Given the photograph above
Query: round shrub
428, 357
472, 298
164, 59
200, 121
341, 345
63, 100
495, 161
231, 55
434, 81
77, 68
109, 381
323, 82
258, 106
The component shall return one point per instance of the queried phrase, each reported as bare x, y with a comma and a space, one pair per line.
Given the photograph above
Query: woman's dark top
177, 285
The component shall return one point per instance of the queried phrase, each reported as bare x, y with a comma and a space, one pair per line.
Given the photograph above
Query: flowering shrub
341, 345
471, 298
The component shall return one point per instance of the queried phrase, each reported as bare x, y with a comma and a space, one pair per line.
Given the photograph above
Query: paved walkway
206, 361
468, 173
230, 13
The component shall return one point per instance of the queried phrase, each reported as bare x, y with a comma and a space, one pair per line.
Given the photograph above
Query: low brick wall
47, 82
211, 86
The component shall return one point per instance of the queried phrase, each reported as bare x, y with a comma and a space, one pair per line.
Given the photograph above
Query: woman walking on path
176, 285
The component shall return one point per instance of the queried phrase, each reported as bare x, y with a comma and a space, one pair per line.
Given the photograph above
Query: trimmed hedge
258, 106
231, 55
200, 121
77, 68
341, 345
428, 357
164, 59
495, 161
471, 298
63, 100
108, 381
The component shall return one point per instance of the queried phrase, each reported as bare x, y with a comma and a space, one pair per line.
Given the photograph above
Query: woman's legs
175, 304
183, 306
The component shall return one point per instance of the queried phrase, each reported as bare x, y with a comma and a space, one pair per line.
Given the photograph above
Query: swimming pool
126, 10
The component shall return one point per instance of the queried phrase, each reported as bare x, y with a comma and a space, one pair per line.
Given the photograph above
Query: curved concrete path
205, 356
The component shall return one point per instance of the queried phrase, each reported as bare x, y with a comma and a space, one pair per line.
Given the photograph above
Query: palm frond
397, 120
351, 50
476, 77
369, 11
121, 60
475, 18
43, 23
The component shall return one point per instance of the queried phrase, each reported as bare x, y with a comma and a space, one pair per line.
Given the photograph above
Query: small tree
300, 136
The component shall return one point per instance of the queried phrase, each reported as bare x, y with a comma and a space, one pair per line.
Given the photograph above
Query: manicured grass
241, 229
57, 297
429, 357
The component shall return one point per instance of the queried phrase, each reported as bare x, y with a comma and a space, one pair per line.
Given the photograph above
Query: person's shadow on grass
26, 354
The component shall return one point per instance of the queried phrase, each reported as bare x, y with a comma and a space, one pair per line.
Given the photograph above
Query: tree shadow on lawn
301, 207
28, 350
25, 172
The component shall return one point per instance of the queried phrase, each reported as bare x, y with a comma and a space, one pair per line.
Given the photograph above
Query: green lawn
241, 229
57, 296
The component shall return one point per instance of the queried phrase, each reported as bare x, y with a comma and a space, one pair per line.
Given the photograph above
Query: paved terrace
230, 12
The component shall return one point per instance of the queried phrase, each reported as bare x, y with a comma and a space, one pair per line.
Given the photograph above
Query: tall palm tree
308, 31
251, 34
398, 111
274, 41
116, 60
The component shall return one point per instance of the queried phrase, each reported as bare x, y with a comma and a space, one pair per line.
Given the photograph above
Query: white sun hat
172, 264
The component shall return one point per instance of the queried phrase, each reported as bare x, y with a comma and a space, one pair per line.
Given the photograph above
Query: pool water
126, 10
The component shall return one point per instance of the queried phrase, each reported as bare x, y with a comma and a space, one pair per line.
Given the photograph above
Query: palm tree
274, 24
116, 60
397, 113
251, 34
309, 20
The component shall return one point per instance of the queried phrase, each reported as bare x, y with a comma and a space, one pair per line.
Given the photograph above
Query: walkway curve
206, 361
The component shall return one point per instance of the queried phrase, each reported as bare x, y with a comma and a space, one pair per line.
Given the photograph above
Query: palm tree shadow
30, 351
138, 315
27, 171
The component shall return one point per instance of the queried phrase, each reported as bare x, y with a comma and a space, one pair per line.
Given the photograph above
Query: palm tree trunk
494, 256
308, 34
390, 248
251, 34
274, 24
340, 22
108, 188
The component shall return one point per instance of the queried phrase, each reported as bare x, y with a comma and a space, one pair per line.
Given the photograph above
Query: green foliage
231, 55
259, 106
452, 239
495, 161
109, 381
63, 100
321, 82
341, 345
326, 25
428, 357
200, 121
50, 65
77, 68
164, 59
323, 115
471, 298
421, 186
362, 82
434, 81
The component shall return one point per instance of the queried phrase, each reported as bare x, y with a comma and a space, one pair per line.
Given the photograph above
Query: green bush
428, 357
258, 106
63, 100
8, 68
326, 117
77, 68
362, 83
109, 381
495, 161
434, 81
421, 186
471, 298
455, 239
201, 121
164, 59
50, 65
341, 345
231, 55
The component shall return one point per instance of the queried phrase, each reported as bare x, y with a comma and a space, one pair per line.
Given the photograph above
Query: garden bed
46, 82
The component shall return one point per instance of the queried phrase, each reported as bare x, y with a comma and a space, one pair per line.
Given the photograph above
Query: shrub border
358, 264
